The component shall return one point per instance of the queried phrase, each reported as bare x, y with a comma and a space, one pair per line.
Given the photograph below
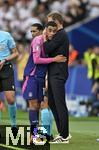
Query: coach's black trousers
56, 97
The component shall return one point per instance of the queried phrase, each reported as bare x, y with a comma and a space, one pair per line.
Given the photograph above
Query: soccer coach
57, 76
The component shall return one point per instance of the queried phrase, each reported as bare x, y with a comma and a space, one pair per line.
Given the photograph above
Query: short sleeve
11, 42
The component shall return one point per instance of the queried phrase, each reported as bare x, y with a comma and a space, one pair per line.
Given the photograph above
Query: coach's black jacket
58, 45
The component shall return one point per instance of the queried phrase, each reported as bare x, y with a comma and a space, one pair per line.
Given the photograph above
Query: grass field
84, 132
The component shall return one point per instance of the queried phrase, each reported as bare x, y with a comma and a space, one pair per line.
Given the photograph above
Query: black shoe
14, 131
51, 137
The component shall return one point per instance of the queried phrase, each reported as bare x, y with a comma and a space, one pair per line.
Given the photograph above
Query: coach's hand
60, 58
45, 35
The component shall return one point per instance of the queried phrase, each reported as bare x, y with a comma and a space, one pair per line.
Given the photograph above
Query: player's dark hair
38, 25
51, 23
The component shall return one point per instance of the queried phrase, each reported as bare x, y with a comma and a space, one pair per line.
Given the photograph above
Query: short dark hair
56, 16
51, 23
38, 25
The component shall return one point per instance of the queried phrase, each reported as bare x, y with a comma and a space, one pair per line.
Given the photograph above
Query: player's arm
13, 51
12, 47
14, 54
37, 58
37, 55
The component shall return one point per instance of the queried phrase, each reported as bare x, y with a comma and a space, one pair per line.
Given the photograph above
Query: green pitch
84, 132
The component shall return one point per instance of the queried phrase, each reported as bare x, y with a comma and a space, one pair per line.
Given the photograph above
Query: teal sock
47, 119
12, 113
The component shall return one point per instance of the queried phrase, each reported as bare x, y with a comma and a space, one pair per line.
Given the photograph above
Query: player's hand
60, 58
2, 64
45, 34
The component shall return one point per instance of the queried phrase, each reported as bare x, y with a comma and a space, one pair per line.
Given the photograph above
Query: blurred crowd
16, 16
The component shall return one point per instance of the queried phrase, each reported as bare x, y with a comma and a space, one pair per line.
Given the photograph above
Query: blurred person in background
92, 61
21, 61
73, 56
95, 86
88, 56
8, 52
95, 64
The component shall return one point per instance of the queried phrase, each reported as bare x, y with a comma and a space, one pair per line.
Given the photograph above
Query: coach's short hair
38, 25
56, 16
